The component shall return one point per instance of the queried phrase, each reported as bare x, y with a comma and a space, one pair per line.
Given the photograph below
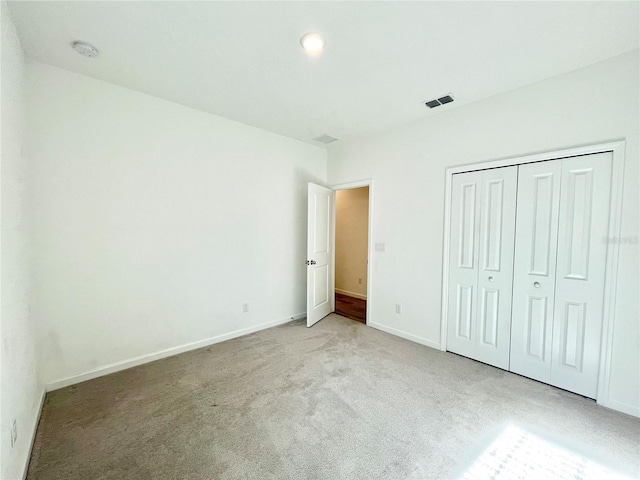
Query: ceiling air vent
436, 102
324, 138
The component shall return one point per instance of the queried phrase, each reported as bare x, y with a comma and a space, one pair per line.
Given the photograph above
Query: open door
320, 269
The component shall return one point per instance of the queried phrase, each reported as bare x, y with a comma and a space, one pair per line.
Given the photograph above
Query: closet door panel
535, 268
463, 263
584, 220
495, 266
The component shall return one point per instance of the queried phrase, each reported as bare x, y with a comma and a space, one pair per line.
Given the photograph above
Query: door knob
536, 284
491, 279
311, 262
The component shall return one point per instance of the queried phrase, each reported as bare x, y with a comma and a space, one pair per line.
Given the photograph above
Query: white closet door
481, 264
535, 269
582, 250
495, 265
463, 262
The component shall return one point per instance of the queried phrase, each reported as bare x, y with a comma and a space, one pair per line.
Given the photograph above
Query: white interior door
320, 243
535, 269
495, 266
481, 264
463, 263
580, 275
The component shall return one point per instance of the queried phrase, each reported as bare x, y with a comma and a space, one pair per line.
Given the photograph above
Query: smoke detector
85, 49
436, 102
324, 138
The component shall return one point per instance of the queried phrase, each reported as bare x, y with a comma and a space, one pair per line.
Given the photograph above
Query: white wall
20, 387
154, 223
596, 104
352, 231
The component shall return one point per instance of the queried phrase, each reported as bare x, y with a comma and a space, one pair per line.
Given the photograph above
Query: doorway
352, 252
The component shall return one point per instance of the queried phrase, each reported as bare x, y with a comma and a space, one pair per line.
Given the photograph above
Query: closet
527, 257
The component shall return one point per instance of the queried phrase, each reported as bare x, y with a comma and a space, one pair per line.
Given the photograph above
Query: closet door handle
536, 284
491, 279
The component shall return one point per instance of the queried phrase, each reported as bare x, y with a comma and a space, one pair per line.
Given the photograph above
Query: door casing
613, 248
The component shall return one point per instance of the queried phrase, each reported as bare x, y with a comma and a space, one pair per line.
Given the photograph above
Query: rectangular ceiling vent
324, 138
436, 102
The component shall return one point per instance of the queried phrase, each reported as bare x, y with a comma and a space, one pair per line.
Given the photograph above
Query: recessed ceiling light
313, 43
85, 49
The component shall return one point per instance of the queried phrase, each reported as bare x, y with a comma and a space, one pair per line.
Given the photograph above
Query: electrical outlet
360, 281
14, 433
380, 247
245, 307
398, 308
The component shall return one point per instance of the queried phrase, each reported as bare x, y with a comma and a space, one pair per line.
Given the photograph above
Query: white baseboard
142, 359
405, 335
621, 407
33, 433
351, 294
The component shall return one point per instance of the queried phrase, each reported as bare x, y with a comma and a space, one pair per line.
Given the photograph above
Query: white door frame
613, 248
348, 186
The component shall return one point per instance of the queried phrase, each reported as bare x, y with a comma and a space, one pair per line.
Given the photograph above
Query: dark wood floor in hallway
351, 307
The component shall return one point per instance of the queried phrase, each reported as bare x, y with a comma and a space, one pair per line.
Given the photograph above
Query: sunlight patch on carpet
518, 454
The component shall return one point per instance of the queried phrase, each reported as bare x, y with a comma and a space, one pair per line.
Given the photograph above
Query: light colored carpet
337, 401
